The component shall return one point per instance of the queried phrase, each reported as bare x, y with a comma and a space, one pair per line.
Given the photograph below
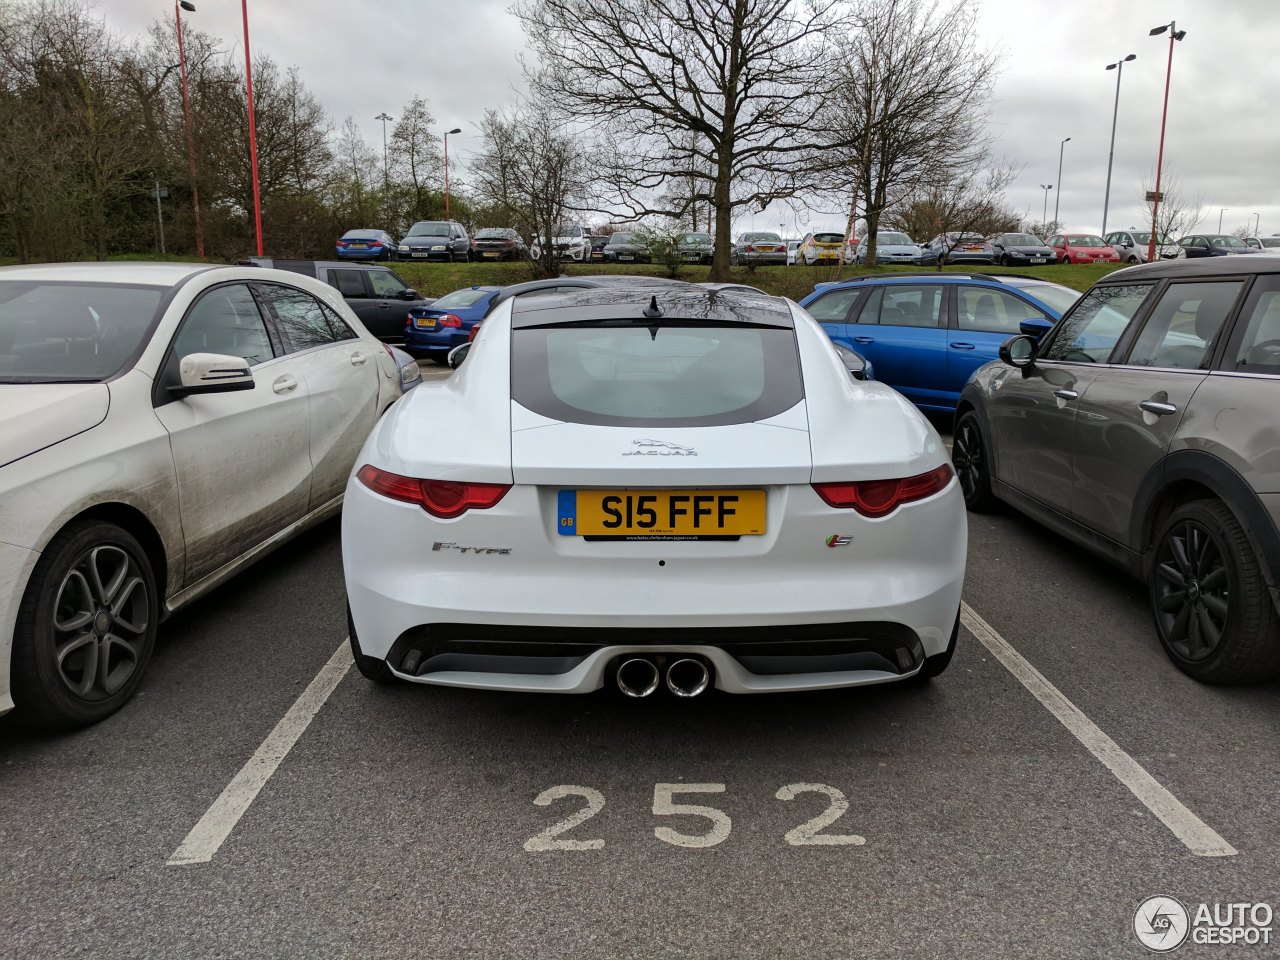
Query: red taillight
375, 243
342, 243
750, 248
449, 320
445, 499
879, 498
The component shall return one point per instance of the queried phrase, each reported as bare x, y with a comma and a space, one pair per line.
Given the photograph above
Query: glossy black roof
1198, 267
678, 301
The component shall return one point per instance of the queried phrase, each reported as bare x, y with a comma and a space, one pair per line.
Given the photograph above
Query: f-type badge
837, 540
659, 448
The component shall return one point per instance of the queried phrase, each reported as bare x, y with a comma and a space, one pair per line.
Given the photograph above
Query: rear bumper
417, 341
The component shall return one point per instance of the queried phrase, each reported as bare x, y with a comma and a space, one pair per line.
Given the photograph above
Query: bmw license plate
424, 323
661, 514
356, 246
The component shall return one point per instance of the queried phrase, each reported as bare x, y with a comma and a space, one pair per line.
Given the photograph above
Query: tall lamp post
1046, 187
447, 135
1221, 211
1174, 34
1118, 67
253, 132
386, 179
178, 7
1257, 223
1058, 196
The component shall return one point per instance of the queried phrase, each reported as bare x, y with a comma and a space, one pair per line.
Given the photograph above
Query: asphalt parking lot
984, 817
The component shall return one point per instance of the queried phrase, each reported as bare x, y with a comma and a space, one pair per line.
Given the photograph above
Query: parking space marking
220, 819
1194, 833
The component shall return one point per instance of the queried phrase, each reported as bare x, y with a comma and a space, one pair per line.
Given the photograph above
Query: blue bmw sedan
435, 330
926, 333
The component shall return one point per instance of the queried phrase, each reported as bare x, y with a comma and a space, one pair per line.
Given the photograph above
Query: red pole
191, 146
1155, 204
446, 176
253, 133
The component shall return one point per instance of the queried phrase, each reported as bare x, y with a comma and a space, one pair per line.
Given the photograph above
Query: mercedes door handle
864, 339
357, 359
962, 346
284, 384
1065, 394
1158, 408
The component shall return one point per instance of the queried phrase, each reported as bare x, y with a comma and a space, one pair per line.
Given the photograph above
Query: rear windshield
828, 237
460, 298
766, 237
362, 235
52, 332
676, 374
490, 232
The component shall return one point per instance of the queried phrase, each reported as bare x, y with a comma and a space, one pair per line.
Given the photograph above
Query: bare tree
1178, 215
913, 81
534, 172
958, 202
723, 97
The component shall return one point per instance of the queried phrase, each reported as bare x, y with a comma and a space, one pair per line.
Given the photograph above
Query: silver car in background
1132, 245
892, 246
1143, 427
758, 247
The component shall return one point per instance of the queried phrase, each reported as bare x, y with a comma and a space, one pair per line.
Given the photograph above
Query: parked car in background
366, 245
1264, 244
572, 242
376, 295
793, 247
892, 246
926, 333
1021, 250
1143, 428
1202, 245
597, 248
818, 248
431, 332
1132, 245
958, 248
498, 243
758, 247
444, 240
162, 426
1083, 248
696, 247
628, 248
762, 452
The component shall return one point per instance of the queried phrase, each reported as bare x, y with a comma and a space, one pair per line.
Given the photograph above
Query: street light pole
1174, 34
446, 168
386, 181
1058, 196
1046, 187
1257, 223
1118, 67
1220, 213
253, 133
178, 7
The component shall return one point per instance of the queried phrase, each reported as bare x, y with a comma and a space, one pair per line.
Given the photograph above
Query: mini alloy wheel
969, 457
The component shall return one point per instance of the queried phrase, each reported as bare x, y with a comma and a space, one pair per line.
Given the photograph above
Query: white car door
341, 371
242, 460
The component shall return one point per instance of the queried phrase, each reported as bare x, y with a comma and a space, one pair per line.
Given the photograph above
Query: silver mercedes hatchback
1146, 427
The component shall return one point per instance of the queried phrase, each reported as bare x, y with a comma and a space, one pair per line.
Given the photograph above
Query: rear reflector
879, 498
445, 499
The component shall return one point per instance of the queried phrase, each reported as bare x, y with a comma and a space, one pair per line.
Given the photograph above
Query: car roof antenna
653, 312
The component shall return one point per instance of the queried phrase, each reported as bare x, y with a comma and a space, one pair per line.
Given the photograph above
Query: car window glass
305, 323
349, 283
1259, 349
993, 311
1183, 323
385, 283
341, 329
1090, 333
225, 320
908, 306
834, 306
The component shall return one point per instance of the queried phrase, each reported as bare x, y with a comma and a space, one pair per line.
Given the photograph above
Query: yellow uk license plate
424, 322
661, 513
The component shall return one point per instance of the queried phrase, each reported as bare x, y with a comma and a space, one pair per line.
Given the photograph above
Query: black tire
42, 681
933, 666
969, 457
1066, 259
1205, 579
371, 668
1002, 261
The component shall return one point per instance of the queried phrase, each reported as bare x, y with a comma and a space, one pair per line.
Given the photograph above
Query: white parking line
220, 819
1198, 837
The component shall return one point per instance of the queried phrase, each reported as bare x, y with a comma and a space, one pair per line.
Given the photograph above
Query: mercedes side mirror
212, 373
1019, 351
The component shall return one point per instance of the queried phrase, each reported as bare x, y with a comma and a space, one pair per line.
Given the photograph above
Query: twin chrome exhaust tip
639, 677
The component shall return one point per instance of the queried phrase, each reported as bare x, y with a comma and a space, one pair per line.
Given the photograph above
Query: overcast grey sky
1222, 141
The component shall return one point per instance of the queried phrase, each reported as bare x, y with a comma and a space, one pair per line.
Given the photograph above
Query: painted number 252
718, 825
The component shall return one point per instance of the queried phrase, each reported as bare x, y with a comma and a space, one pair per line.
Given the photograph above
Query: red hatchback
1083, 248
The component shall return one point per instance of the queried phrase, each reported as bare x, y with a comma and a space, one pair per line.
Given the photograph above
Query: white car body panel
404, 568
70, 447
